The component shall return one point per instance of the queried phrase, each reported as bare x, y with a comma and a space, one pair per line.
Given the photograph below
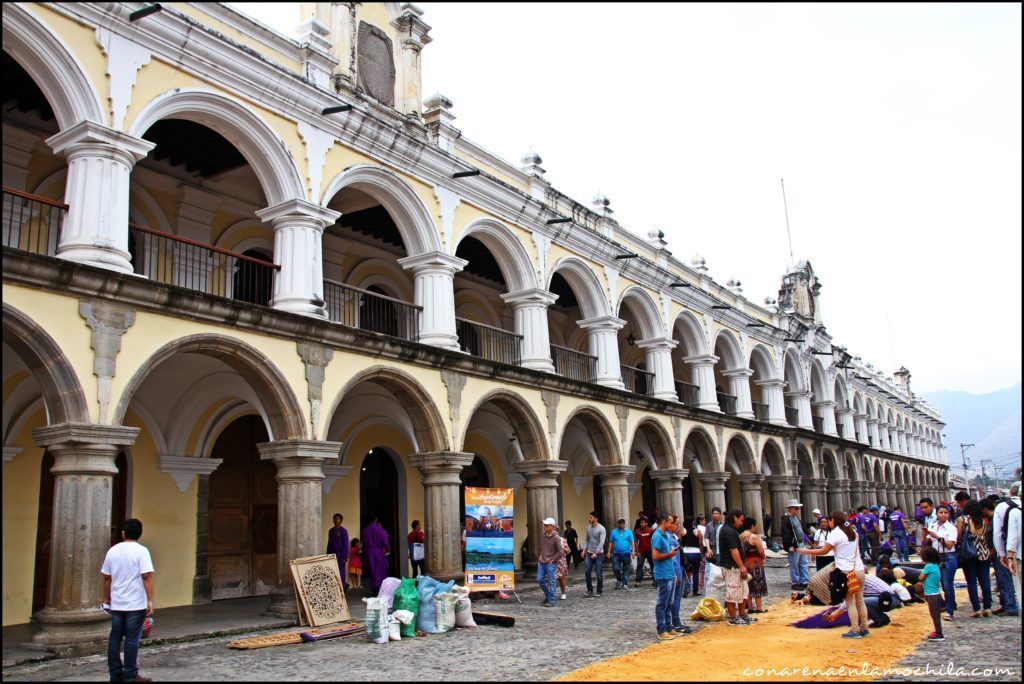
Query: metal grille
358, 308
573, 364
792, 415
727, 403
487, 342
760, 411
32, 223
688, 393
637, 380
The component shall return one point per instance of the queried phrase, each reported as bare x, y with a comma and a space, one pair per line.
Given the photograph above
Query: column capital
670, 475
658, 344
602, 324
815, 484
532, 297
799, 394
441, 467
871, 421
738, 373
535, 471
90, 137
616, 469
771, 383
844, 411
701, 360
317, 216
433, 261
783, 482
825, 403
714, 480
183, 469
299, 459
85, 433
750, 480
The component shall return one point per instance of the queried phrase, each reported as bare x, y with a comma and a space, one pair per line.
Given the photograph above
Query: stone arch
858, 403
877, 471
692, 333
658, 439
281, 409
507, 250
266, 153
762, 363
819, 386
794, 375
239, 236
830, 463
841, 394
644, 310
772, 460
428, 426
532, 443
852, 471
739, 456
699, 453
62, 392
601, 433
385, 274
805, 464
732, 356
411, 216
585, 285
54, 69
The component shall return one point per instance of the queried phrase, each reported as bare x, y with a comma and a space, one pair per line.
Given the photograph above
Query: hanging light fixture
631, 338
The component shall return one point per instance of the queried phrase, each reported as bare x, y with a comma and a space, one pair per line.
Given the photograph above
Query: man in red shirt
643, 550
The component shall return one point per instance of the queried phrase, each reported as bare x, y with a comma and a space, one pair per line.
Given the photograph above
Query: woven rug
285, 638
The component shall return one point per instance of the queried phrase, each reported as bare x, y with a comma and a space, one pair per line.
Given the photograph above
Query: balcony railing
32, 223
727, 403
175, 260
839, 429
358, 308
818, 422
488, 342
760, 411
688, 394
637, 380
573, 364
792, 416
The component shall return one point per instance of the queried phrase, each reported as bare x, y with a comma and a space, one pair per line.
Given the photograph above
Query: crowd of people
683, 557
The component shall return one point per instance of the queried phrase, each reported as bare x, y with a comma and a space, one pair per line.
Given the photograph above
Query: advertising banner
490, 543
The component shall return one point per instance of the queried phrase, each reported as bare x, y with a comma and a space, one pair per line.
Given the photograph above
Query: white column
845, 418
901, 436
298, 250
803, 408
704, 378
531, 314
659, 362
739, 385
434, 274
861, 427
827, 410
100, 162
883, 436
771, 390
604, 344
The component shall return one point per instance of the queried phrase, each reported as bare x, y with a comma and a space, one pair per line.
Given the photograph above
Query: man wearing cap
623, 549
816, 514
550, 552
792, 539
1006, 538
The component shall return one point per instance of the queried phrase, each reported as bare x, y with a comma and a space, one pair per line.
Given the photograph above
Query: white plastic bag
418, 553
376, 621
714, 580
464, 612
394, 629
444, 605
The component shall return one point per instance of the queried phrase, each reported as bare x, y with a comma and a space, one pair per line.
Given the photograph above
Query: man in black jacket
793, 537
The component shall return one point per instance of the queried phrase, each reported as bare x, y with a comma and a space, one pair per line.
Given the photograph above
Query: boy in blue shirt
931, 580
623, 549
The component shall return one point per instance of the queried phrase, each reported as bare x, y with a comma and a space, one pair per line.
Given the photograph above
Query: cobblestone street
545, 643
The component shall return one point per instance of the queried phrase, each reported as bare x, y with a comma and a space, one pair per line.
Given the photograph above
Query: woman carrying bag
976, 558
842, 539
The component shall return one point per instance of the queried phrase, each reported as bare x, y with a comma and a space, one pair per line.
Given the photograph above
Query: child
355, 564
931, 580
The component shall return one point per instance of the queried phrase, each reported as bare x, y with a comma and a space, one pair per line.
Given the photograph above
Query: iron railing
839, 429
359, 308
573, 364
32, 223
818, 422
792, 416
688, 394
488, 342
174, 260
727, 403
760, 411
637, 380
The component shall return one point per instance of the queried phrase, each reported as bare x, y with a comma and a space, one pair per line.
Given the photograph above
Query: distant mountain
992, 422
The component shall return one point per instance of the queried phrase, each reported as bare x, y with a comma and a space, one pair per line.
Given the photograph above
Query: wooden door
242, 539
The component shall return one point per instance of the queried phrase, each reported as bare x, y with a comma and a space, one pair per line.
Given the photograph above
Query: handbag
968, 550
417, 551
837, 586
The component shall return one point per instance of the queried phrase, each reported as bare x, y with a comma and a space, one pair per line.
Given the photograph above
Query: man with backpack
1005, 575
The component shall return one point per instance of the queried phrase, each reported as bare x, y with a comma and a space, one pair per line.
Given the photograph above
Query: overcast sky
897, 129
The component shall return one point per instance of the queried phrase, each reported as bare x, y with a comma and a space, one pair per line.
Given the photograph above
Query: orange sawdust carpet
771, 650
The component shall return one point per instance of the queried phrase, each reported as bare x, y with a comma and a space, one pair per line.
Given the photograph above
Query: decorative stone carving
315, 358
10, 453
375, 64
183, 469
107, 322
622, 412
454, 382
550, 400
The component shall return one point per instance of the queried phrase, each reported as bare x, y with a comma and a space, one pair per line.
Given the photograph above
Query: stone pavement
545, 643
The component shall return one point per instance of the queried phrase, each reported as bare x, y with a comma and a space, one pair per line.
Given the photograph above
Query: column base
540, 364
202, 590
305, 307
614, 383
749, 415
443, 340
71, 632
668, 395
710, 406
101, 257
282, 603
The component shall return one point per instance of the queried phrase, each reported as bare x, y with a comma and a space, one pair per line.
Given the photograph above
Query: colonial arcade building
251, 281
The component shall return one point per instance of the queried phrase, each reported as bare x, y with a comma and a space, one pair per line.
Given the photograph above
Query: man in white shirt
943, 536
128, 597
1007, 576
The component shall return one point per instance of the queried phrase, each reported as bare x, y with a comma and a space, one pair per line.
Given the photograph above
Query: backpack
1011, 504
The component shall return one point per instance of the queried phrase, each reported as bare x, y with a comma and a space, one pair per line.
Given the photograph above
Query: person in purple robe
376, 547
337, 543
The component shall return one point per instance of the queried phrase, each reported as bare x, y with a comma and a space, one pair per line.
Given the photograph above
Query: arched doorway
473, 475
378, 495
44, 522
648, 493
241, 544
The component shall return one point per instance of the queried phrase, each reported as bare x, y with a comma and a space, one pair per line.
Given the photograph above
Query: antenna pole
789, 235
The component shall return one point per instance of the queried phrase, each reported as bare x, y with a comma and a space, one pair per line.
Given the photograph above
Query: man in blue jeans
793, 537
664, 578
623, 549
594, 542
128, 597
898, 529
547, 560
943, 536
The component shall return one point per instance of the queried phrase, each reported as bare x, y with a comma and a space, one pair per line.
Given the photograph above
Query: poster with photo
490, 540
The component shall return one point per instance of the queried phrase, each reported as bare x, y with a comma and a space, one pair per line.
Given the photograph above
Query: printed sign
490, 542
